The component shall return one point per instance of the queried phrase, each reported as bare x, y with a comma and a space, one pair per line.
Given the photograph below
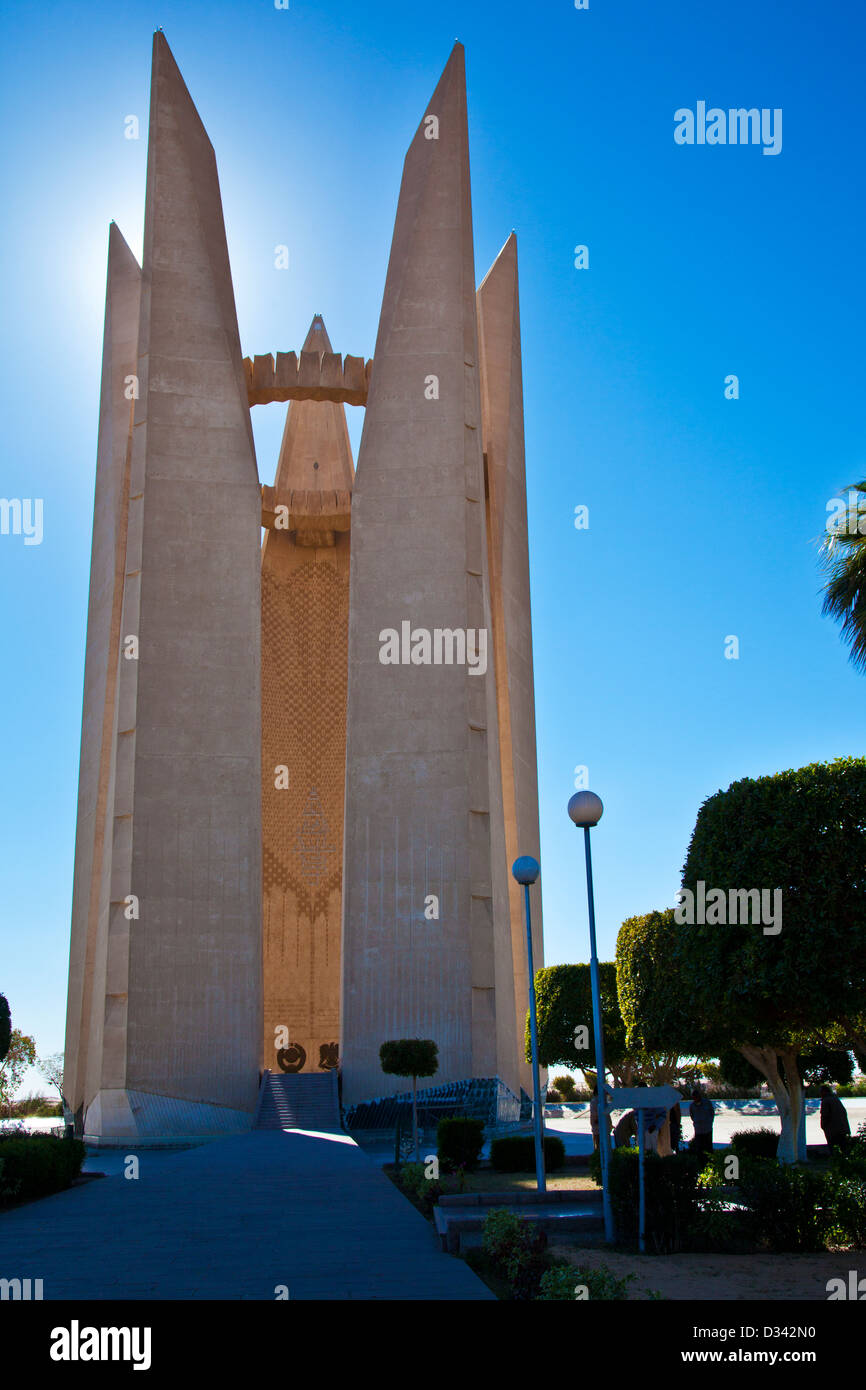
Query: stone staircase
298, 1101
459, 1219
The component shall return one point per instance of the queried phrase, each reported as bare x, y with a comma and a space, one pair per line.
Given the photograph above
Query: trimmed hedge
515, 1153
848, 1210
778, 1207
459, 1141
671, 1196
788, 1208
35, 1165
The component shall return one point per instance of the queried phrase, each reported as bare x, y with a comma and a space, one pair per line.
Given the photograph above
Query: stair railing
263, 1089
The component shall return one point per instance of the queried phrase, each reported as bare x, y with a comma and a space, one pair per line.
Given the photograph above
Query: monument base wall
120, 1117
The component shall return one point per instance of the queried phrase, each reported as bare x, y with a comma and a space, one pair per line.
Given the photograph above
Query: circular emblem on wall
291, 1058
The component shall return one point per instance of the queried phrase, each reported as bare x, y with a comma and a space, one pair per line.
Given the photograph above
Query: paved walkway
234, 1219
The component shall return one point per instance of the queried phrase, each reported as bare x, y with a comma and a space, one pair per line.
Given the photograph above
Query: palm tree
5, 1027
843, 556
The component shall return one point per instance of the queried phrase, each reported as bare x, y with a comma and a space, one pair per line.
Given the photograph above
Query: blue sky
704, 261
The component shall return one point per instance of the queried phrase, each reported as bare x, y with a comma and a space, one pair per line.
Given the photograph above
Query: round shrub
459, 1141
562, 1281
515, 1153
409, 1057
414, 1181
516, 1246
755, 1143
558, 1282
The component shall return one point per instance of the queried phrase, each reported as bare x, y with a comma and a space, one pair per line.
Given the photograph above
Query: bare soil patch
788, 1278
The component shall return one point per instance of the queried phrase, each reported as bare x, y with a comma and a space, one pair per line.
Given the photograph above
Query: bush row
692, 1203
516, 1249
460, 1141
35, 1165
515, 1153
33, 1105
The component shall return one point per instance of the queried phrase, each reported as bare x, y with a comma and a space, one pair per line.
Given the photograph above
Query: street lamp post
585, 810
526, 871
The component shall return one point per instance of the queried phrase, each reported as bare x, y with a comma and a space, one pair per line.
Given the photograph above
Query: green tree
21, 1054
51, 1068
668, 1000
653, 997
843, 557
563, 995
782, 991
773, 994
563, 1001
734, 1070
410, 1057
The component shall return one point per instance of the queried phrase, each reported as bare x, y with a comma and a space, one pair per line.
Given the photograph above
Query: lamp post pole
585, 810
526, 871
641, 1148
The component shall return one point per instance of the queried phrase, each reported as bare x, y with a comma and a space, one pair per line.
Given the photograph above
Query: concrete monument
303, 776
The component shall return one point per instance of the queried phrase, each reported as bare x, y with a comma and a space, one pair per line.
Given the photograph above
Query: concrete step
455, 1225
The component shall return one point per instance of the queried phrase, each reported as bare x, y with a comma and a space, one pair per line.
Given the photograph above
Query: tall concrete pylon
508, 549
305, 626
425, 911
176, 1022
90, 891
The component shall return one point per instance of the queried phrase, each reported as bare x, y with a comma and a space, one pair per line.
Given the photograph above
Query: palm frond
843, 558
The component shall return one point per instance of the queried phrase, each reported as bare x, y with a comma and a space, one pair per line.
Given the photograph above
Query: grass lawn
486, 1180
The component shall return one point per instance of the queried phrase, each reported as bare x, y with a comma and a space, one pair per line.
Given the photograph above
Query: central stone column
418, 920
